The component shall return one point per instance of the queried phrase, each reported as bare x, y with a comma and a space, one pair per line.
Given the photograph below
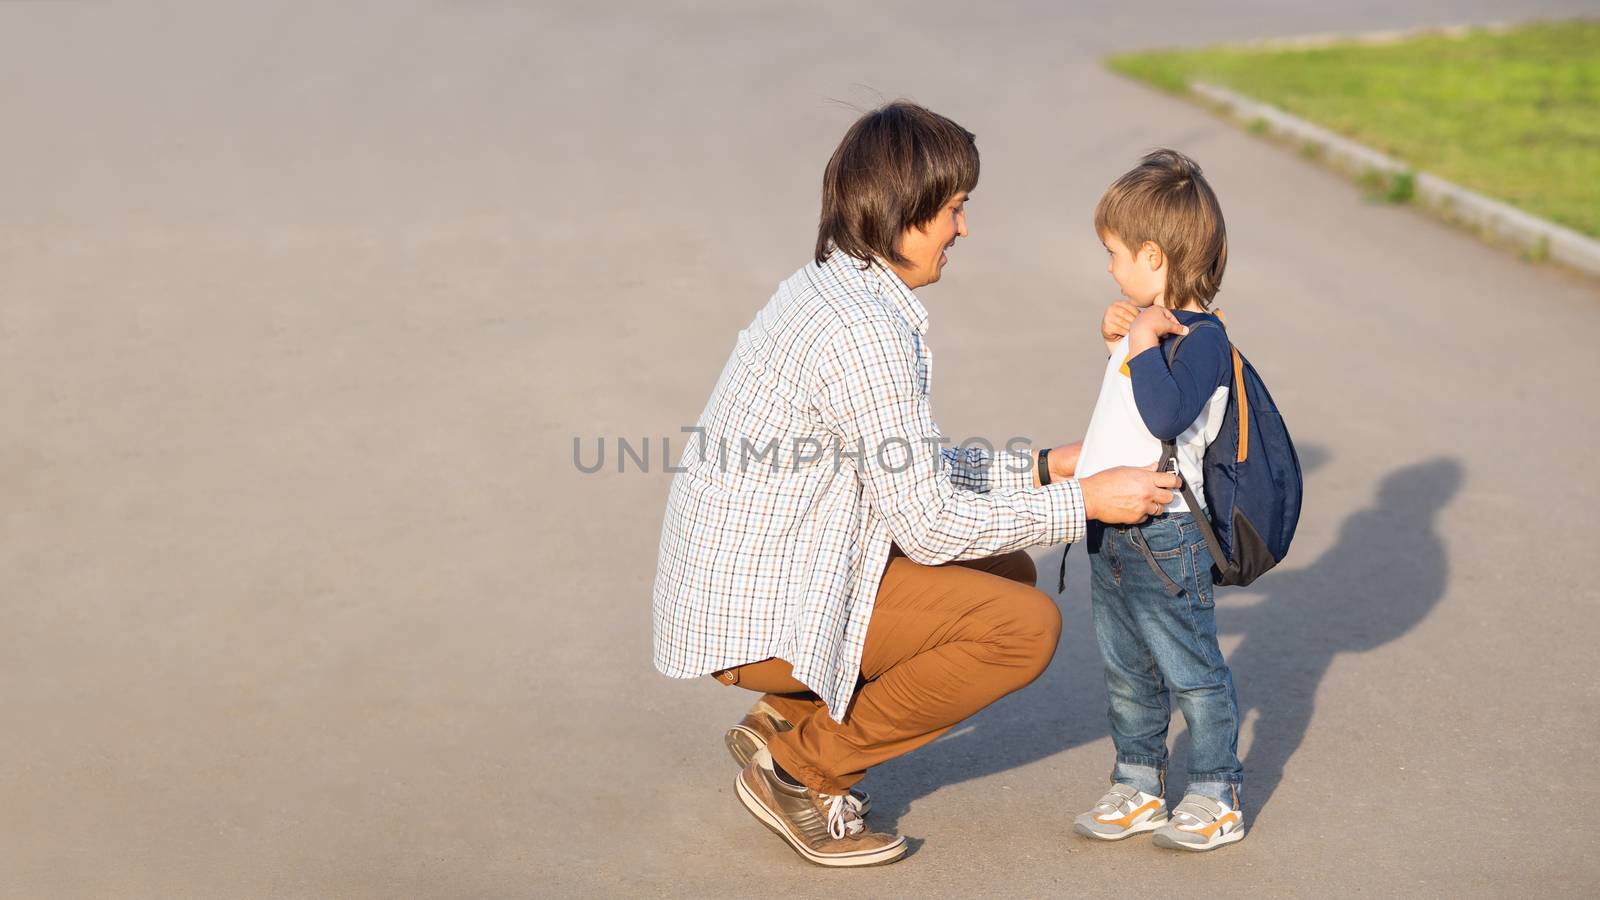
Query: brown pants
944, 642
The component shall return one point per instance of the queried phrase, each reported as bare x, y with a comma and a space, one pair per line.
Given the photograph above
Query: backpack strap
1169, 452
1169, 462
1061, 587
1171, 348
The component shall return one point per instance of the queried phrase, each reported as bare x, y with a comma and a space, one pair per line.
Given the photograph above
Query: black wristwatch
1044, 466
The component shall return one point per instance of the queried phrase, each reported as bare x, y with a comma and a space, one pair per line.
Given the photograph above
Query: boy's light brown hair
1166, 200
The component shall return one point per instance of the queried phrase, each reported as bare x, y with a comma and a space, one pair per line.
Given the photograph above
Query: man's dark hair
896, 167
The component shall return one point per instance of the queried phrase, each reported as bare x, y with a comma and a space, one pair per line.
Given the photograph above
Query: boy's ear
1150, 252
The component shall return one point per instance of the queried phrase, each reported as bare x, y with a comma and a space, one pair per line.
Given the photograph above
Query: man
822, 548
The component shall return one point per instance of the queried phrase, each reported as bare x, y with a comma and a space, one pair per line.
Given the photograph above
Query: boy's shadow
1382, 576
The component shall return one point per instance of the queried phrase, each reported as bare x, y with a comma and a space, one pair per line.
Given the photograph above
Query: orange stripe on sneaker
1211, 829
1127, 820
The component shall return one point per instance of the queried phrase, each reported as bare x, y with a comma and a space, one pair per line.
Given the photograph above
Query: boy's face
1141, 274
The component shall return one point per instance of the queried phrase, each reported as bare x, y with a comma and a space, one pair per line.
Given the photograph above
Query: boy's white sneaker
1122, 813
1200, 823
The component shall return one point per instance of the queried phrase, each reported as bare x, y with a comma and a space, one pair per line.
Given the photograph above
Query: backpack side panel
1266, 488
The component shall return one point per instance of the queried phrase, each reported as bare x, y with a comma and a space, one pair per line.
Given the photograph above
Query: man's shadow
1382, 576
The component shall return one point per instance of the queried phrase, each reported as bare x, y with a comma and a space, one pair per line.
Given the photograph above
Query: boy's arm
1170, 399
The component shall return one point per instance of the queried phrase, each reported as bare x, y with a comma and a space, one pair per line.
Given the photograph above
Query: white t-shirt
1117, 434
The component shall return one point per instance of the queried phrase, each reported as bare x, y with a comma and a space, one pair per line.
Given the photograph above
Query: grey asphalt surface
301, 311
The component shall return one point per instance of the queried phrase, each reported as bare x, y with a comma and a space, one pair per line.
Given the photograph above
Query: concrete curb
1537, 238
1380, 38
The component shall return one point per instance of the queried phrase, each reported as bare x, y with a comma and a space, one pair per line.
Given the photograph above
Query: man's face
1141, 274
924, 245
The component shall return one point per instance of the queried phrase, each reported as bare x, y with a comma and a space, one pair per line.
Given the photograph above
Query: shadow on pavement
1383, 575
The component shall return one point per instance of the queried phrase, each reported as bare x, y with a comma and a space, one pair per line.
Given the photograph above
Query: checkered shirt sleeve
870, 397
978, 470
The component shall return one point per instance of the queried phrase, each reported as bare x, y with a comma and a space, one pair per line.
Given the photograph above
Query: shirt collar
902, 297
889, 285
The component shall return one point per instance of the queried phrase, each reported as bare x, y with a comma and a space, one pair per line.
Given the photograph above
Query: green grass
1514, 115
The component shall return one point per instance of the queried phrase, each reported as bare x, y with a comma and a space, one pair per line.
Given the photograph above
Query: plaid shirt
815, 451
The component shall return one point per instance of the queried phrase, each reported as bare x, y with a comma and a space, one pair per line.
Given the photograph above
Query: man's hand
1118, 319
1063, 461
1126, 495
1150, 327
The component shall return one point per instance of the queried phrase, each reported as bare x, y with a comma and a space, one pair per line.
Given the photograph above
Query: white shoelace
842, 816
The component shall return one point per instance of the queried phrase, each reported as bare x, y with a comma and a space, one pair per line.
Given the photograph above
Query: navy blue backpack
1252, 477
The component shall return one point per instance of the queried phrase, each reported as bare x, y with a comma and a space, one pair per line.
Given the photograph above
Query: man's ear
1151, 254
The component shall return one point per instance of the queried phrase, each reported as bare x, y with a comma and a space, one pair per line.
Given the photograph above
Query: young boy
1153, 608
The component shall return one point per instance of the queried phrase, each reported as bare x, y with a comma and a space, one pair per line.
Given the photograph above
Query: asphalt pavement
304, 309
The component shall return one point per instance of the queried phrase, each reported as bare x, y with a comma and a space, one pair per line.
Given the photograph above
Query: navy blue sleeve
1169, 400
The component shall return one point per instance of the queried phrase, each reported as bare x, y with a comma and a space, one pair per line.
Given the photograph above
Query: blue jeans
1155, 620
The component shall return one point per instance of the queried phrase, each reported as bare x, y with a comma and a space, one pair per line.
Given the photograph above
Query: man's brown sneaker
760, 725
823, 828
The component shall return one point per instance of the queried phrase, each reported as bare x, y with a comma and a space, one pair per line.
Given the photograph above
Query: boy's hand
1152, 324
1119, 316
